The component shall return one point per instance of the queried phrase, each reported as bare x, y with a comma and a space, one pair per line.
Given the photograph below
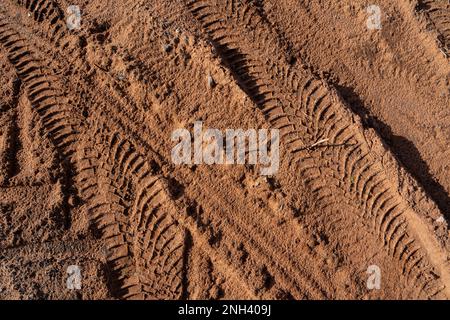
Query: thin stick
317, 143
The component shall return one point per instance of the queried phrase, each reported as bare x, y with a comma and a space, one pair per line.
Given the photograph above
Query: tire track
262, 82
235, 31
154, 223
107, 204
302, 281
108, 208
438, 15
255, 228
47, 99
145, 244
258, 243
47, 10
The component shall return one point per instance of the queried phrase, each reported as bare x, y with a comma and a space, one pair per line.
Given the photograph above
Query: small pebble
167, 48
440, 219
71, 201
211, 82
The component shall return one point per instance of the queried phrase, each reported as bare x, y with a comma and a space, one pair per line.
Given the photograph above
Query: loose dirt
359, 208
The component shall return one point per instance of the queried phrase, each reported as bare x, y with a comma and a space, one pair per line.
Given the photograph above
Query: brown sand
85, 151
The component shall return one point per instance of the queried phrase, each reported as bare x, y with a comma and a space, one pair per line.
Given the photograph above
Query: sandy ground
359, 208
